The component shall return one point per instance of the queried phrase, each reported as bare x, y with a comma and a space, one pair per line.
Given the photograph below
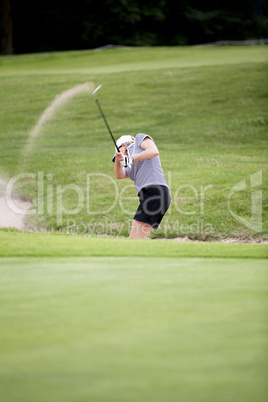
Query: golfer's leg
140, 230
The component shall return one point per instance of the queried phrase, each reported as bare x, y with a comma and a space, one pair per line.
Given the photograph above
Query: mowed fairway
133, 329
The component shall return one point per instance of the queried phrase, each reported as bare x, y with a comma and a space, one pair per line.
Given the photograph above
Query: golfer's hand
127, 160
119, 157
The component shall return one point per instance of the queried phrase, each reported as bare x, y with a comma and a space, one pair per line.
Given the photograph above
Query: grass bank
14, 244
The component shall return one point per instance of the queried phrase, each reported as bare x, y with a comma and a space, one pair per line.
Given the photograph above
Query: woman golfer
141, 163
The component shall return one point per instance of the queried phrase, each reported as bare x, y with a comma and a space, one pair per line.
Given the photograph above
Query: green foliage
56, 26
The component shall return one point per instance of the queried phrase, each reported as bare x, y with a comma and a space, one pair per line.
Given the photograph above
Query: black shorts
154, 202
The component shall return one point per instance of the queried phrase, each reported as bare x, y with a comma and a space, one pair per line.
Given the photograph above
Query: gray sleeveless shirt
147, 172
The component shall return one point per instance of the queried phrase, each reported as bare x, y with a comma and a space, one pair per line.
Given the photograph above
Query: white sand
8, 217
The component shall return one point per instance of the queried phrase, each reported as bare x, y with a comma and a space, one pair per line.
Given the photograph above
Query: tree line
50, 25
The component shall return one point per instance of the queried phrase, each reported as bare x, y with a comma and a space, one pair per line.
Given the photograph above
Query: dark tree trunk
6, 45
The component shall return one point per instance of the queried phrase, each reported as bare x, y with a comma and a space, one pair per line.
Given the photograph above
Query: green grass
205, 107
14, 244
131, 59
120, 329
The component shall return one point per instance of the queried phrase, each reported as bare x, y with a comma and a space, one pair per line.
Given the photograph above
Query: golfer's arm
119, 171
150, 150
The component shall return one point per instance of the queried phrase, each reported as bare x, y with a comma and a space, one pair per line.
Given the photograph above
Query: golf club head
94, 92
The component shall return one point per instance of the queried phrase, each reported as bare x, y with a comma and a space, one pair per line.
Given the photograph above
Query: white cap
122, 140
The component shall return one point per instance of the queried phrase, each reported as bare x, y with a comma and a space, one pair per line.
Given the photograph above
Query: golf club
101, 111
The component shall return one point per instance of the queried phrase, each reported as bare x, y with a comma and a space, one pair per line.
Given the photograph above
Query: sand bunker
12, 209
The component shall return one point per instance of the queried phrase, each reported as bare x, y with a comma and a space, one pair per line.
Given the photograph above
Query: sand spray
59, 101
8, 216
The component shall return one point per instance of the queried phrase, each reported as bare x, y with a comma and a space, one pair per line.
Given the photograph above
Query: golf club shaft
107, 125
